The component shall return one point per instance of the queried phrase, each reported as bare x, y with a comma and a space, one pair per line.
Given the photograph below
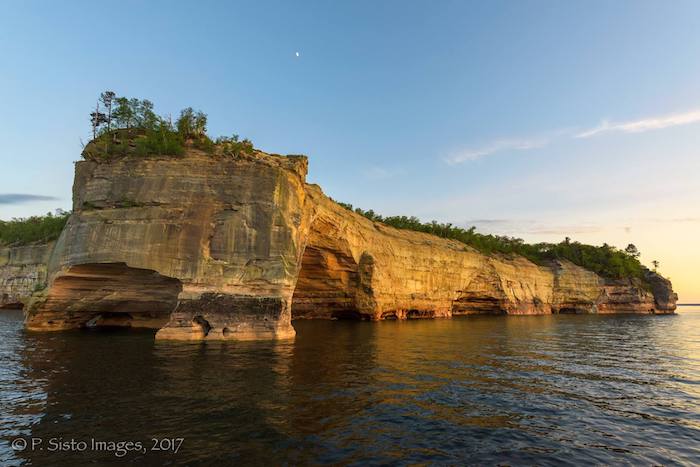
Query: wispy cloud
496, 146
489, 221
632, 126
646, 124
675, 220
564, 230
17, 198
518, 227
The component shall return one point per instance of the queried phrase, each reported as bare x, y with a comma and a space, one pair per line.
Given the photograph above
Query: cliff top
127, 145
127, 127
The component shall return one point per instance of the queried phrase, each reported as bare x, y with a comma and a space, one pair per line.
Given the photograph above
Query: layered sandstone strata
355, 267
223, 229
210, 247
22, 272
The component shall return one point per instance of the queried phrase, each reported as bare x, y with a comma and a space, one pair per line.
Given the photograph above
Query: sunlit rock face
383, 273
578, 290
207, 247
22, 272
222, 226
358, 268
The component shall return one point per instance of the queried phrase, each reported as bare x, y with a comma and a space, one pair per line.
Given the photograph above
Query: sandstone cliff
209, 247
354, 266
22, 272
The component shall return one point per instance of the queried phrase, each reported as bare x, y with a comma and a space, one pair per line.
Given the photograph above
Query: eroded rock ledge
206, 247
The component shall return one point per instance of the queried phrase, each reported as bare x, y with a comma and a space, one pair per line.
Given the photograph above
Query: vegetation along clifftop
130, 127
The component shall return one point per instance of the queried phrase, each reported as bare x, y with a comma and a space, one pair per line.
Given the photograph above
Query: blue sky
532, 118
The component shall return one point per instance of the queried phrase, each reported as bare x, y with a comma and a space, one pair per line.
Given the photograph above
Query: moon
297, 54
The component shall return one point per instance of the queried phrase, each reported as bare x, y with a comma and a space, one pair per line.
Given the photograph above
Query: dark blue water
480, 390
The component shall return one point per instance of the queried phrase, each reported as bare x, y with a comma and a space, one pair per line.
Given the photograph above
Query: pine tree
632, 251
97, 118
123, 114
107, 97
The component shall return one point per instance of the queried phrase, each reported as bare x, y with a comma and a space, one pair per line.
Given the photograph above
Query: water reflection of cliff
220, 398
519, 390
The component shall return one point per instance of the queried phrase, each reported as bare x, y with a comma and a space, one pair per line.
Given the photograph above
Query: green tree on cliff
106, 98
200, 124
124, 115
232, 146
97, 118
145, 116
185, 123
632, 251
152, 134
191, 124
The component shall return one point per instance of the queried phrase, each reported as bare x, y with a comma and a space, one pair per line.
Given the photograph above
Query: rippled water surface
482, 390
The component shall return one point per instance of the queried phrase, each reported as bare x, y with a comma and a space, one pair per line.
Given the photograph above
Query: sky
537, 119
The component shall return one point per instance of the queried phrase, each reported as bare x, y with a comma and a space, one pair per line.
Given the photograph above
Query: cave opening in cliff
470, 303
7, 303
420, 314
326, 285
111, 295
570, 311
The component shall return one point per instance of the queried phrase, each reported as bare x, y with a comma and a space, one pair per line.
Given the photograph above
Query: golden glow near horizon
680, 263
623, 181
674, 243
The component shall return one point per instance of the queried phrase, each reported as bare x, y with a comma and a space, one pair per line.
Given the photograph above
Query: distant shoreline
687, 304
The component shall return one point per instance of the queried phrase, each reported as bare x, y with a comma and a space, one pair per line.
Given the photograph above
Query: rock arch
105, 294
328, 279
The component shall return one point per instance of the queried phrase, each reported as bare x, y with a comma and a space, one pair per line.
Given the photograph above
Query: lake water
483, 390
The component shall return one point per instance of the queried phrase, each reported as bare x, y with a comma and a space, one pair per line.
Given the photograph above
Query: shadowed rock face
223, 316
204, 247
662, 290
328, 280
